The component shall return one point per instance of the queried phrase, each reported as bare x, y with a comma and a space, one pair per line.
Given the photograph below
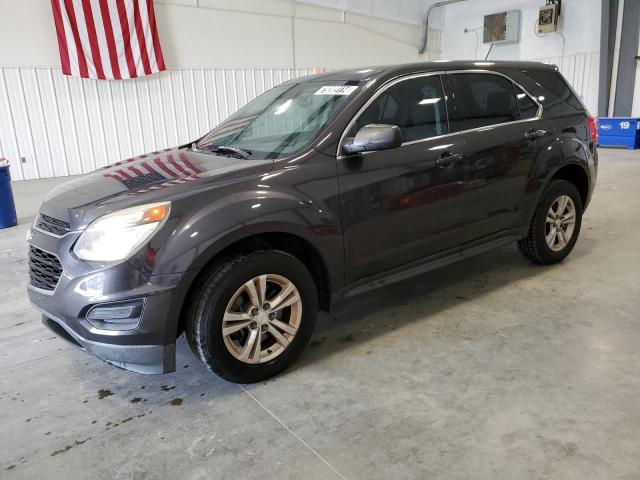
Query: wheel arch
280, 239
574, 171
576, 174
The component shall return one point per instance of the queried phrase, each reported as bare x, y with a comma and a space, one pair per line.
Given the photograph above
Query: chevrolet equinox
319, 189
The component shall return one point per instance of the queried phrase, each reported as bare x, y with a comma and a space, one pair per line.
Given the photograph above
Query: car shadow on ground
376, 313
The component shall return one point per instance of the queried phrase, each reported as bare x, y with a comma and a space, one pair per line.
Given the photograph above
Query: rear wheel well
292, 244
576, 175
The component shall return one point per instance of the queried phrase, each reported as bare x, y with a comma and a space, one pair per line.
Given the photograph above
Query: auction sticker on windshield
336, 90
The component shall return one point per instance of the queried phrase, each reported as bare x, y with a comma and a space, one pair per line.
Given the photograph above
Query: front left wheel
252, 315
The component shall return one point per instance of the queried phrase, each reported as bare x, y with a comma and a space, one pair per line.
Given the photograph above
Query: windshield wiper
238, 152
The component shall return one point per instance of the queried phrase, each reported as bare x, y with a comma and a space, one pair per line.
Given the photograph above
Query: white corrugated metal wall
581, 71
64, 125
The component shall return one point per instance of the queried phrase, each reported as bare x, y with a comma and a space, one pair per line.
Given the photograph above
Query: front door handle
447, 159
535, 133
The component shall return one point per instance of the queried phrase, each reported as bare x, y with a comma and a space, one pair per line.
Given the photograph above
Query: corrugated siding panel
66, 126
582, 72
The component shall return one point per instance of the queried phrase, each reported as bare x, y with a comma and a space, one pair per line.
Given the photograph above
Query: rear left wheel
253, 315
555, 225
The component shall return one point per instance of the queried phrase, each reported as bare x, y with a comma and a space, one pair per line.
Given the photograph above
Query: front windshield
281, 121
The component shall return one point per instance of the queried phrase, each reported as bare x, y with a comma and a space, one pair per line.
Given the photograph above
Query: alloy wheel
262, 318
560, 223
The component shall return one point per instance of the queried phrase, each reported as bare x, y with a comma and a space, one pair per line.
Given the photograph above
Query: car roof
366, 73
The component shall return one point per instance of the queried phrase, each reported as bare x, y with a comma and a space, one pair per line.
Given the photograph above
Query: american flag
145, 173
107, 39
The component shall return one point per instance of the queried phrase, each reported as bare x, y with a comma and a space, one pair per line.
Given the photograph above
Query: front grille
52, 225
44, 269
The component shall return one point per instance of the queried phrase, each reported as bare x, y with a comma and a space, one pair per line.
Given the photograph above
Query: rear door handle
535, 133
447, 159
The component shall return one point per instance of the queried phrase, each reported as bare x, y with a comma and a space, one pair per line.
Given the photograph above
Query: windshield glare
281, 121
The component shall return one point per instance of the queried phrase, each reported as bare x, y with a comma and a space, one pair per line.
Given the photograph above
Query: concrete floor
488, 369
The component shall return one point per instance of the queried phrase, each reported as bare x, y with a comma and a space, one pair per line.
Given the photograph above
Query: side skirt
427, 264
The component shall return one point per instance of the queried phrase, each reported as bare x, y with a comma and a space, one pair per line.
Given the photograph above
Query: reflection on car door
404, 204
498, 152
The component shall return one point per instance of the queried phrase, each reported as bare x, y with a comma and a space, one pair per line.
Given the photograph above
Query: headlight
116, 235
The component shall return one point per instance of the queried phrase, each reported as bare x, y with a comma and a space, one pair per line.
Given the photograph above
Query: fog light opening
116, 316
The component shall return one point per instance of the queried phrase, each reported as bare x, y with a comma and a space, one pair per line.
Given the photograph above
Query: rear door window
485, 99
416, 105
528, 108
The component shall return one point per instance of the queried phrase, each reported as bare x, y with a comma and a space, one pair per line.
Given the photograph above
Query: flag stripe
119, 40
83, 34
163, 166
176, 165
186, 161
135, 171
93, 39
110, 39
124, 174
126, 36
141, 40
82, 61
62, 38
101, 37
71, 44
147, 167
133, 40
154, 33
148, 40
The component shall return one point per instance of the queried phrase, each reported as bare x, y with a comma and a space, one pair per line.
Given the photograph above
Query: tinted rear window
555, 83
486, 99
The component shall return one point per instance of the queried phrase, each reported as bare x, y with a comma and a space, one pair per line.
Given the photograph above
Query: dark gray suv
319, 189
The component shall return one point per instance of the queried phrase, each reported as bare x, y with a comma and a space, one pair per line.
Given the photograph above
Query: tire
535, 246
212, 309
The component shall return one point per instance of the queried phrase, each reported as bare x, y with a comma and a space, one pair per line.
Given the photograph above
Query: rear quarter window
555, 83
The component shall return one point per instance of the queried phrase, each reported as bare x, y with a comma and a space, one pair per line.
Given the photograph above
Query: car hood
158, 176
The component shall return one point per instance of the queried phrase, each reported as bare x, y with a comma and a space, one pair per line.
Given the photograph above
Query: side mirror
372, 138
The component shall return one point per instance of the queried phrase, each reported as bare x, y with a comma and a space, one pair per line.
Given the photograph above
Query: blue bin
8, 216
619, 132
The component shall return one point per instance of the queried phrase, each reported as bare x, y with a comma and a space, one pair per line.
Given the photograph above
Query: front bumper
135, 358
148, 347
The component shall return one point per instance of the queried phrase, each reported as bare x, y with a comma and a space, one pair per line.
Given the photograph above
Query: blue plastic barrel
8, 216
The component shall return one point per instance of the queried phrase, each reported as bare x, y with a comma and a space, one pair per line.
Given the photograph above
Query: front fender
199, 236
